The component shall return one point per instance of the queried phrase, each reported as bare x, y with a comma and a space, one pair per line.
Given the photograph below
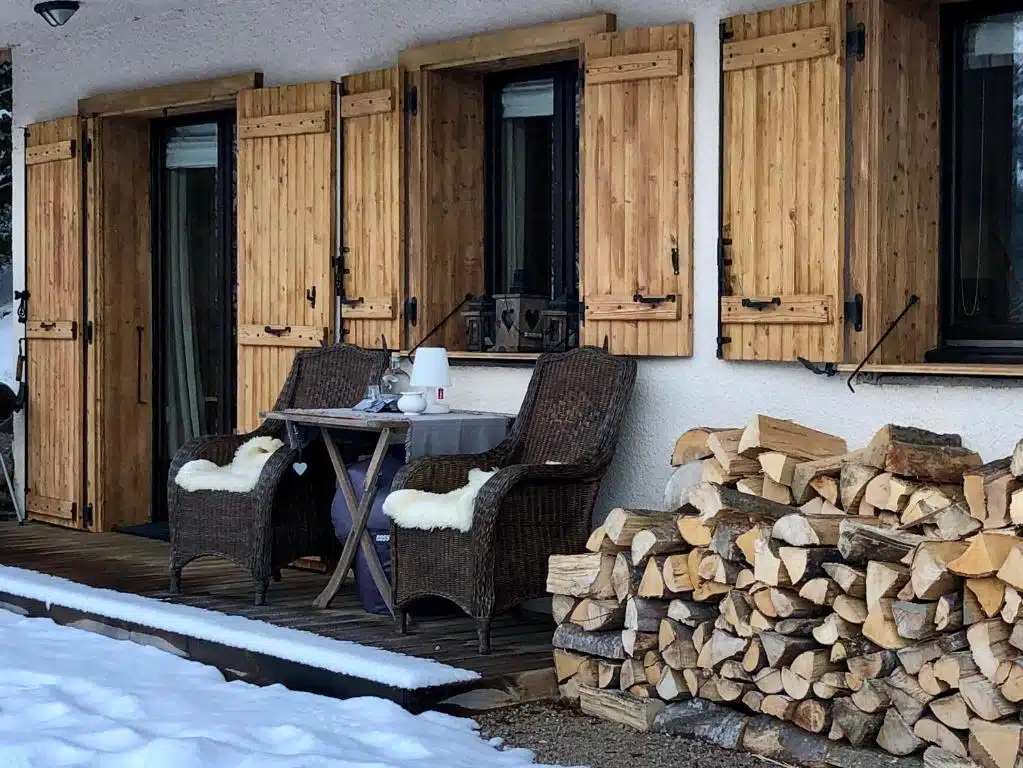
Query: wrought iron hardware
278, 332
310, 296
47, 326
725, 31
352, 302
88, 331
412, 311
412, 100
340, 271
88, 149
821, 369
761, 304
87, 515
22, 298
856, 41
674, 260
582, 311
913, 300
854, 312
639, 298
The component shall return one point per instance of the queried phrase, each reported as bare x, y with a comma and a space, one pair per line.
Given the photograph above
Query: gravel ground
561, 735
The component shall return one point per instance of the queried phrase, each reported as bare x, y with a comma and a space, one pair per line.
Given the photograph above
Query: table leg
359, 509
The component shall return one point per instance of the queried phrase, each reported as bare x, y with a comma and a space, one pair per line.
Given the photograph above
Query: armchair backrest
573, 408
331, 377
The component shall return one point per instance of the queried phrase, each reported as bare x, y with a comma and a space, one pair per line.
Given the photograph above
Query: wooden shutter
783, 178
373, 208
55, 338
286, 222
636, 180
446, 202
119, 290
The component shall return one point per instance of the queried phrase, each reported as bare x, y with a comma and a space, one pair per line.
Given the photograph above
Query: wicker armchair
537, 505
287, 515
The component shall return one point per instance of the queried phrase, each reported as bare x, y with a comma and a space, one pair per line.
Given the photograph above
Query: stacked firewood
873, 595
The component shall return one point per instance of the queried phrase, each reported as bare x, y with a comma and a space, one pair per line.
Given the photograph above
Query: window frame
957, 342
564, 186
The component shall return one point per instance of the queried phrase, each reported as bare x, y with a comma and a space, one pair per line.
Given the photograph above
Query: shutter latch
856, 42
412, 311
854, 312
639, 298
761, 304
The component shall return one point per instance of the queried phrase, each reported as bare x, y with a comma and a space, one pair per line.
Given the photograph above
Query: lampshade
57, 12
430, 368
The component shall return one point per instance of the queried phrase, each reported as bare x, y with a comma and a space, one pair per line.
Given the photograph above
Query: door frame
226, 121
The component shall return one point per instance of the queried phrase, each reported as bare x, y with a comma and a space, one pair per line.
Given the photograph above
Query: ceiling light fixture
57, 12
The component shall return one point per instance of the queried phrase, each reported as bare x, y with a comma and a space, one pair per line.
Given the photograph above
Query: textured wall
303, 40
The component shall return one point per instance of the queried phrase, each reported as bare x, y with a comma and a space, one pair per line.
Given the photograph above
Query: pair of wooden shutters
782, 245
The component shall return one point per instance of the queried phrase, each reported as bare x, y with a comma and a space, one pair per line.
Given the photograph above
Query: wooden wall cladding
286, 237
54, 277
784, 177
373, 208
895, 183
636, 157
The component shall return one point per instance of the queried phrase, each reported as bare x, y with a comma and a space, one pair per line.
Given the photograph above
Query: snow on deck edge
341, 656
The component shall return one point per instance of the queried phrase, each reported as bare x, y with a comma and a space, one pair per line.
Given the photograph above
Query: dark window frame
959, 342
564, 186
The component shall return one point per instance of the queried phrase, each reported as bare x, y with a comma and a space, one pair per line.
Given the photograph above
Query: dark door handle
352, 302
639, 298
310, 296
761, 304
47, 326
278, 331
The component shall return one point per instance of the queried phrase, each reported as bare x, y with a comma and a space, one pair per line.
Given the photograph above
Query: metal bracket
278, 332
912, 302
722, 340
87, 515
412, 311
352, 302
854, 312
761, 304
674, 260
821, 369
856, 42
22, 298
639, 298
310, 296
88, 331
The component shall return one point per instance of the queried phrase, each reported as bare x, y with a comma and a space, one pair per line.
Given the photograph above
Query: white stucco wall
302, 40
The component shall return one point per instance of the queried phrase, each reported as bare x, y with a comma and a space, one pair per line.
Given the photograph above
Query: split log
929, 680
987, 489
632, 674
692, 445
736, 608
653, 666
635, 644
852, 581
1012, 606
721, 646
872, 697
880, 626
652, 584
776, 491
781, 650
598, 615
778, 467
984, 556
622, 525
919, 454
795, 687
928, 501
747, 543
732, 690
936, 757
820, 591
693, 531
811, 665
1016, 507
607, 645
621, 708
802, 563
709, 590
884, 580
695, 678
915, 656
675, 642
990, 594
972, 611
768, 566
935, 732
725, 447
587, 575
600, 542
745, 579
859, 728
723, 540
953, 666
568, 664
869, 666
719, 570
896, 736
879, 492
989, 643
1011, 571
853, 479
754, 659
1010, 677
907, 696
952, 711
660, 540
778, 706
717, 502
833, 629
754, 485
691, 614
851, 609
929, 572
765, 433
732, 670
995, 745
807, 530
788, 604
861, 543
644, 615
914, 621
769, 681
562, 607
675, 574
672, 685
813, 716
709, 689
711, 471
827, 488
955, 522
984, 699
753, 700
846, 649
808, 471
608, 674
799, 627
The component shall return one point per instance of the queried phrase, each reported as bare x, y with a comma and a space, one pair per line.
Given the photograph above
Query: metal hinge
725, 30
856, 41
87, 515
412, 100
412, 311
88, 331
582, 311
854, 311
722, 340
87, 148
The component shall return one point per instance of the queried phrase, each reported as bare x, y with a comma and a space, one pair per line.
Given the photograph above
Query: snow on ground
72, 698
344, 657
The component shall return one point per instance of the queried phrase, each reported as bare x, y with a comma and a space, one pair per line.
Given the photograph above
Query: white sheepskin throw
424, 510
240, 476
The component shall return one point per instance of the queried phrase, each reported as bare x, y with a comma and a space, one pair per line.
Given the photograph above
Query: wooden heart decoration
532, 318
300, 467
508, 318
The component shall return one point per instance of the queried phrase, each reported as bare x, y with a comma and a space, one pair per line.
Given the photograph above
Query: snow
340, 656
74, 698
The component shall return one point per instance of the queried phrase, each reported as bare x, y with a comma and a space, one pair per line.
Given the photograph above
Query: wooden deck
518, 668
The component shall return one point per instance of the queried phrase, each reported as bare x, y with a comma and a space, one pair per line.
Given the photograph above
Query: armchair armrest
440, 474
500, 485
219, 449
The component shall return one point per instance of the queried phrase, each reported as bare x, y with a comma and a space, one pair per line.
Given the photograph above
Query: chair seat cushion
240, 476
409, 508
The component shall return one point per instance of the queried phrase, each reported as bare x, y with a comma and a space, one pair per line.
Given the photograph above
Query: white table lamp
430, 371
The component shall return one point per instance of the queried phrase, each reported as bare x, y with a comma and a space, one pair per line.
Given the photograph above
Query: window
982, 159
531, 255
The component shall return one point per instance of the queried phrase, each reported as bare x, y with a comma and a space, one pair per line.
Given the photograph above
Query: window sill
940, 369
